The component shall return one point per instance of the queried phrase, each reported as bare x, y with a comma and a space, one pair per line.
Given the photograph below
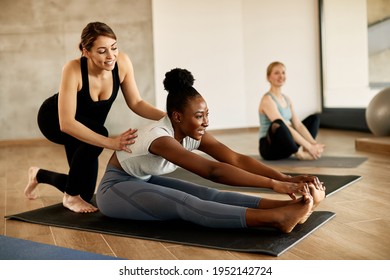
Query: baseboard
344, 118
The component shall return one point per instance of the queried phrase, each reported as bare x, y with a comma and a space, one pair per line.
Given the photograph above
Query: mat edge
274, 253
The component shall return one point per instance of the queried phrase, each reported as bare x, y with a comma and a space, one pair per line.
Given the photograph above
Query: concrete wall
38, 37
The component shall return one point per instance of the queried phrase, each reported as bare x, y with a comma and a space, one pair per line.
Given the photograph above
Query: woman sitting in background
282, 133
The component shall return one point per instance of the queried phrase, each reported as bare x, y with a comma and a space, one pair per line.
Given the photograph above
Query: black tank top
95, 110
87, 109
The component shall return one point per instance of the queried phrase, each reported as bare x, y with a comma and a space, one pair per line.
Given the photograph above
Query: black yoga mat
333, 183
260, 240
19, 249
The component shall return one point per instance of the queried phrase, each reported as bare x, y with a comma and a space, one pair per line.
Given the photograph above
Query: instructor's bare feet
77, 204
29, 191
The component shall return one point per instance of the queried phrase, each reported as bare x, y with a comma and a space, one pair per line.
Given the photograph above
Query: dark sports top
88, 110
95, 110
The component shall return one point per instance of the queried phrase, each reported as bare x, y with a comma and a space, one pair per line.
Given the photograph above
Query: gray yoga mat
260, 240
333, 183
325, 161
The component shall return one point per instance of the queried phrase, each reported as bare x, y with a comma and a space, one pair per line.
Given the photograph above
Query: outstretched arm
211, 146
221, 172
221, 152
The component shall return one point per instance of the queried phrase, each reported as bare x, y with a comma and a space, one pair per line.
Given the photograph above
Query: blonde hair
272, 65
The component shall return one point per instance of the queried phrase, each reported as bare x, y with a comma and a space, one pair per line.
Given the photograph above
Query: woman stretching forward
132, 187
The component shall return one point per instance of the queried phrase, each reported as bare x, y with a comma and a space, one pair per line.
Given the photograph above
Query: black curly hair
179, 85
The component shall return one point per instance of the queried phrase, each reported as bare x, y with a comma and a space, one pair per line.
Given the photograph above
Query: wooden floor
360, 230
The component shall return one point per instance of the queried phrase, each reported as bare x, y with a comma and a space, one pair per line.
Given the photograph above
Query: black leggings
279, 143
82, 157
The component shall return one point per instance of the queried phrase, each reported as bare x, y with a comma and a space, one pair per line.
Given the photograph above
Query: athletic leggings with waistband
82, 157
160, 198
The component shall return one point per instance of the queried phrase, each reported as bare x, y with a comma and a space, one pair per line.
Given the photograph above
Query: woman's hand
310, 179
316, 150
291, 188
121, 142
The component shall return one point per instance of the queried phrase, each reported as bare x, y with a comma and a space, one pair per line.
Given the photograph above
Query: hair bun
178, 79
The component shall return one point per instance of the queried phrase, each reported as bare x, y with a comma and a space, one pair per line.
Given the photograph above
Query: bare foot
32, 183
77, 204
292, 214
303, 155
318, 195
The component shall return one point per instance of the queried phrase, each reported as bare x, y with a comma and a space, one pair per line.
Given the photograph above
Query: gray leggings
161, 198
